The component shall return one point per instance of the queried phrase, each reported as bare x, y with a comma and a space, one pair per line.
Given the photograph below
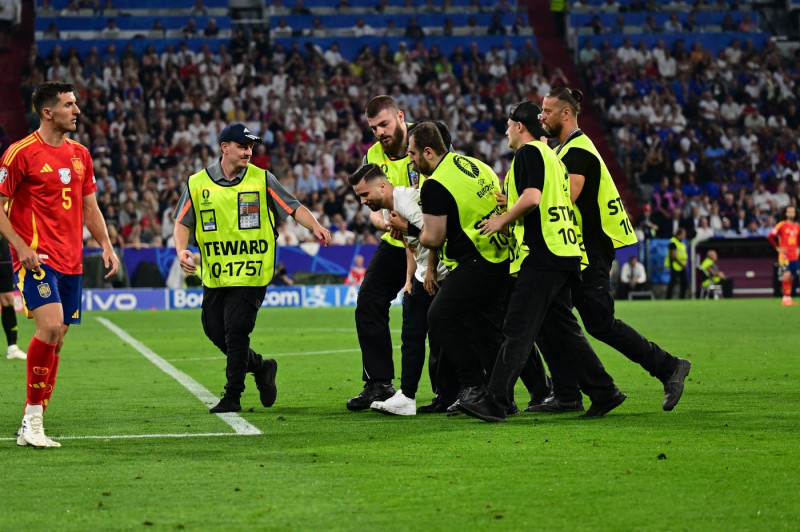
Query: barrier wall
308, 296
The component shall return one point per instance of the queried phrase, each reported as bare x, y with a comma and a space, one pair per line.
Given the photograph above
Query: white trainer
14, 352
49, 443
33, 427
398, 404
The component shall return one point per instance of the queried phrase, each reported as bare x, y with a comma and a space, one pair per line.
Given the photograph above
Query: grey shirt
279, 201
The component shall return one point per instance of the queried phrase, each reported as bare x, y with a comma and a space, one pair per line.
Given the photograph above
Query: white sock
33, 409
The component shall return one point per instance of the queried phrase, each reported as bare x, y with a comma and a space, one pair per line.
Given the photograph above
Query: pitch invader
47, 188
784, 238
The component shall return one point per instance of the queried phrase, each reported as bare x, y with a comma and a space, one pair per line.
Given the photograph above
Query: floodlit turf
726, 458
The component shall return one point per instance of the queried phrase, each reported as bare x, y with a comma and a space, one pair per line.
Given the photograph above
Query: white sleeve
406, 203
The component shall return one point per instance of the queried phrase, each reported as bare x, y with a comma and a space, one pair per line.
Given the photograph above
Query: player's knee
49, 332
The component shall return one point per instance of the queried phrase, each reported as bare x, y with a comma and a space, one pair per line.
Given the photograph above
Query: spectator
632, 277
211, 29
111, 31
356, 275
199, 9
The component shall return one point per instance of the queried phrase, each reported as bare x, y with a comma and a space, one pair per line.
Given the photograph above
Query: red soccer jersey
787, 235
46, 186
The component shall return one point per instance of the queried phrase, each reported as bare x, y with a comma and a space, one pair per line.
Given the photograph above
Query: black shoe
265, 381
226, 404
373, 391
599, 409
554, 405
436, 407
470, 393
673, 386
512, 410
484, 409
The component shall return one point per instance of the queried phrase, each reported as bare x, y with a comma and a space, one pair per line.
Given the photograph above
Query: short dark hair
444, 131
427, 136
368, 172
572, 97
46, 94
380, 103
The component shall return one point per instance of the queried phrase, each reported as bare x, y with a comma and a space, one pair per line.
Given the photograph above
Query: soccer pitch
141, 450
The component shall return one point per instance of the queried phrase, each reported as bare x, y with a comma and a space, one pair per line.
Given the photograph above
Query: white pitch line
296, 354
136, 436
198, 390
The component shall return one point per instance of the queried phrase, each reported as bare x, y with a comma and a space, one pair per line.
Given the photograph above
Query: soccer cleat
398, 404
787, 302
14, 352
373, 391
22, 443
226, 404
265, 381
599, 409
673, 386
32, 430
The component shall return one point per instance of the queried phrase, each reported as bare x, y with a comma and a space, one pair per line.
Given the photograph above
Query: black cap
527, 114
237, 132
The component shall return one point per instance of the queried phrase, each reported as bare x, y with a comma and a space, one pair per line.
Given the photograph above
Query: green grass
725, 459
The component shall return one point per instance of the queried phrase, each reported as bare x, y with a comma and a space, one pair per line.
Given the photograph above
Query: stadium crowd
708, 140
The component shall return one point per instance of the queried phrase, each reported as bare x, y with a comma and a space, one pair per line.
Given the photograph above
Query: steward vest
472, 185
234, 229
616, 224
399, 172
680, 254
705, 265
560, 227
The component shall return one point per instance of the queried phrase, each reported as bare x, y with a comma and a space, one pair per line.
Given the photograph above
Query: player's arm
184, 226
431, 284
576, 182
378, 221
434, 230
304, 217
28, 258
287, 205
96, 224
528, 201
411, 268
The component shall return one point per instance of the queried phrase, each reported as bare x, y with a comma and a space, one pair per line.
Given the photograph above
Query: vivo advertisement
166, 299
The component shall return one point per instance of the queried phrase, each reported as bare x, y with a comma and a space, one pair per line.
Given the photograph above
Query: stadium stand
154, 100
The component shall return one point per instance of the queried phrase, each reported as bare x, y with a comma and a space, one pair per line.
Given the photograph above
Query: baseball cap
527, 114
237, 132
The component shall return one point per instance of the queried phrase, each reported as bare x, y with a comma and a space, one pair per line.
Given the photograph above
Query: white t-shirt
406, 203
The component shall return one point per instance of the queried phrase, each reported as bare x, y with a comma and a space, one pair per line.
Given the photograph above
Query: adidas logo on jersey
45, 169
77, 314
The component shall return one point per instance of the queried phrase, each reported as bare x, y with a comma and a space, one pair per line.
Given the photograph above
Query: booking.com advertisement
166, 299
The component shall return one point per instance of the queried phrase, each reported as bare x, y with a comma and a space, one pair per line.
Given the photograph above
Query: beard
554, 130
395, 145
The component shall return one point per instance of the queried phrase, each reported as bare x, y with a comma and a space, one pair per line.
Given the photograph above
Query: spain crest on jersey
77, 164
65, 175
44, 290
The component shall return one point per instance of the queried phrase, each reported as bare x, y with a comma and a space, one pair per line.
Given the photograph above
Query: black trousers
541, 303
533, 375
593, 299
444, 380
467, 316
679, 278
385, 276
229, 316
